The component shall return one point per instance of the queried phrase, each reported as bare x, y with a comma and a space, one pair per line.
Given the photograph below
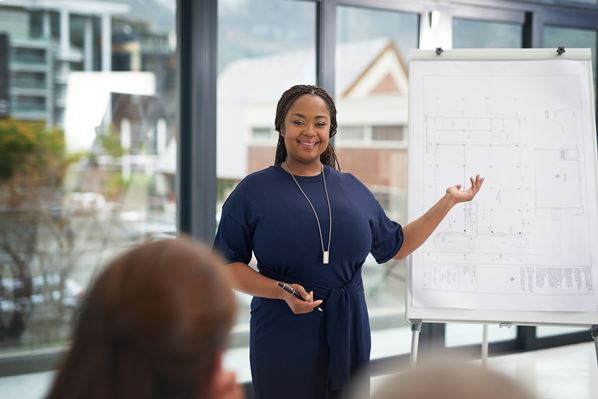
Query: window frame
197, 31
533, 15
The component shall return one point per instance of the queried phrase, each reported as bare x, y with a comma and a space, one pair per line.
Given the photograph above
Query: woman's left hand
458, 195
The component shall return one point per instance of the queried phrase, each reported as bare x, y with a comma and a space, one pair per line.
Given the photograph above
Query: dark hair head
152, 326
288, 98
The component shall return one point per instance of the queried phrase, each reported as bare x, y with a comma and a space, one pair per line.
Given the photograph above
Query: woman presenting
311, 228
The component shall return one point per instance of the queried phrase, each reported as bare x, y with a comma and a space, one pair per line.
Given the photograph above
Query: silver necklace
325, 252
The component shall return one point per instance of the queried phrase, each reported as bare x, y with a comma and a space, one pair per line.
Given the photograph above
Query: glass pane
485, 34
458, 334
261, 133
371, 94
351, 133
388, 133
258, 59
87, 156
573, 38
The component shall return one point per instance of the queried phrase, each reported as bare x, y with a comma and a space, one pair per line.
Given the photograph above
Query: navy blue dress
310, 355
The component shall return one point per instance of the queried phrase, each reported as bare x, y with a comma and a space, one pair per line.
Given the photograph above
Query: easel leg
416, 328
595, 338
485, 346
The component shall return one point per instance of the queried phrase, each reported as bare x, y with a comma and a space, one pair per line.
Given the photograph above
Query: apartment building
46, 41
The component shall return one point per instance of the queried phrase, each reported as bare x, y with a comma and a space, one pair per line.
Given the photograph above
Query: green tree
33, 163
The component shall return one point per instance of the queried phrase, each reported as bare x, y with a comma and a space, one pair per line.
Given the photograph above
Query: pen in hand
293, 292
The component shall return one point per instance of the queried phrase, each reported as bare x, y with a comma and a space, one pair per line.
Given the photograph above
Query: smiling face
306, 132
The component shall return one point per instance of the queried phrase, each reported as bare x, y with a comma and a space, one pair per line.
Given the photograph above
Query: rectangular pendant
326, 257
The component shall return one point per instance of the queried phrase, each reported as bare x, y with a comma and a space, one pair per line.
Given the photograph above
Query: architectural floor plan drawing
527, 241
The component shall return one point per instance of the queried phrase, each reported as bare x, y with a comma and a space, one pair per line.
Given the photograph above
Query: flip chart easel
436, 123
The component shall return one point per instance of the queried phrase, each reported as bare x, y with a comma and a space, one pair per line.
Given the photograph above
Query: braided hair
328, 157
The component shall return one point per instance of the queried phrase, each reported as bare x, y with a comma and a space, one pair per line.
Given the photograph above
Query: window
24, 55
119, 183
350, 133
388, 133
94, 169
258, 59
371, 94
261, 133
486, 34
29, 80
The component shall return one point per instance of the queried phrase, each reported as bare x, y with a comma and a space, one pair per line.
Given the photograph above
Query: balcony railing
18, 66
41, 91
29, 114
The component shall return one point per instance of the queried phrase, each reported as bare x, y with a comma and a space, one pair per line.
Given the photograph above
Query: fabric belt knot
347, 332
347, 325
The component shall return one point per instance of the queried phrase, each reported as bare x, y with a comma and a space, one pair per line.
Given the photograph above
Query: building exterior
47, 40
67, 65
4, 79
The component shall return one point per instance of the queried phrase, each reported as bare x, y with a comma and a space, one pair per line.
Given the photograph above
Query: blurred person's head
153, 325
451, 379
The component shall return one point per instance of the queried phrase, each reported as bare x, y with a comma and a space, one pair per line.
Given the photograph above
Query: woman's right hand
298, 306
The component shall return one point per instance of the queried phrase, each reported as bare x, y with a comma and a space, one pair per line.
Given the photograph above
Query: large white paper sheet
529, 240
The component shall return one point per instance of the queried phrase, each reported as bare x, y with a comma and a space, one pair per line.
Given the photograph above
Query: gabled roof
355, 61
386, 73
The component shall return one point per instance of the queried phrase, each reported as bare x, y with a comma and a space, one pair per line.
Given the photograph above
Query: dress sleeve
233, 237
387, 235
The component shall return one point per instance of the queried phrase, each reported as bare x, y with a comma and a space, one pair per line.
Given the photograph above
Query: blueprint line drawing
526, 241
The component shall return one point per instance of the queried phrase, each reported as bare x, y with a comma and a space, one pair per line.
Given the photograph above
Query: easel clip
416, 325
560, 50
439, 50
